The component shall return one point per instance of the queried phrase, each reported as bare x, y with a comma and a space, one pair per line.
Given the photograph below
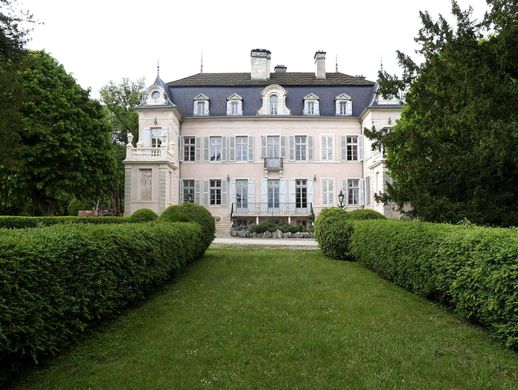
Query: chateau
261, 145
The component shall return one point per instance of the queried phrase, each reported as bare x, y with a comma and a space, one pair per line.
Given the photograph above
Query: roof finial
158, 67
336, 64
201, 62
381, 64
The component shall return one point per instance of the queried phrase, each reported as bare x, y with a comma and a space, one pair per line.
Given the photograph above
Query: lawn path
282, 319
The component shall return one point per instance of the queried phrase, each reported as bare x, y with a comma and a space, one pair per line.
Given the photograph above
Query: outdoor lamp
341, 199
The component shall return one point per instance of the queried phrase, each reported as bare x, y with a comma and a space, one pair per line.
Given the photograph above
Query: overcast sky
102, 40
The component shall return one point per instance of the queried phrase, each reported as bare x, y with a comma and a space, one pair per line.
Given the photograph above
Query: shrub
273, 227
362, 214
474, 270
56, 282
143, 215
190, 212
31, 222
333, 230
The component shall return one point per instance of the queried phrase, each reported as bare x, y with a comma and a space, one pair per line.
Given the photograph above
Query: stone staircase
222, 226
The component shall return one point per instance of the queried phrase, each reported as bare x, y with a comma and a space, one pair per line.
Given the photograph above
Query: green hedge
362, 214
58, 281
474, 270
273, 227
143, 215
32, 222
333, 230
188, 212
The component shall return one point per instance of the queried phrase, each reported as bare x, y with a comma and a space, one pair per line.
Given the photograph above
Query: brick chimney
320, 62
260, 61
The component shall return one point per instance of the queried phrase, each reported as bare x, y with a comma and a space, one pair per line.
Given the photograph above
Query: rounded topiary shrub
143, 215
190, 212
362, 214
333, 231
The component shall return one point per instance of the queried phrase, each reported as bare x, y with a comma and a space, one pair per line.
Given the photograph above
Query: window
301, 194
326, 147
301, 143
215, 192
242, 194
242, 148
274, 104
353, 191
343, 108
311, 108
215, 148
234, 105
188, 191
273, 193
234, 108
352, 148
189, 148
273, 146
344, 105
200, 108
328, 192
311, 104
201, 105
156, 142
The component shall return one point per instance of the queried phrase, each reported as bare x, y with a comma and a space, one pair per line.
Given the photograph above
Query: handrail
270, 209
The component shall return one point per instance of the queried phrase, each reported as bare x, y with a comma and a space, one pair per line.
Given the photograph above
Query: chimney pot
280, 69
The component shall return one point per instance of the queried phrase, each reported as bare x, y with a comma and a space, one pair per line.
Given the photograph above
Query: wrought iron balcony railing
273, 163
271, 209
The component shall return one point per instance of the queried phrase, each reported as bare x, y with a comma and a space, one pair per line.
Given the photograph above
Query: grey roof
373, 103
282, 78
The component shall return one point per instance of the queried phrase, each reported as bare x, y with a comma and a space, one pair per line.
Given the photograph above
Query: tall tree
454, 152
66, 142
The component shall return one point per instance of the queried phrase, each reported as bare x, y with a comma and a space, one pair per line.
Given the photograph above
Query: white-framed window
301, 146
274, 104
326, 147
242, 194
242, 148
353, 191
328, 195
215, 192
201, 105
311, 105
273, 193
301, 193
215, 148
234, 105
156, 142
344, 105
273, 146
352, 148
188, 191
273, 101
189, 148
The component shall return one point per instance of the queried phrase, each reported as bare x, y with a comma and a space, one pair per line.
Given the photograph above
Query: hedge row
473, 270
57, 281
32, 222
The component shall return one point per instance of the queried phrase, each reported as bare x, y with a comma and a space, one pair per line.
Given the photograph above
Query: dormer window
274, 101
311, 105
201, 105
344, 105
234, 105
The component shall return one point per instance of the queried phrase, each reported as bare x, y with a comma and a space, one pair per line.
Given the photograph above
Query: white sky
102, 40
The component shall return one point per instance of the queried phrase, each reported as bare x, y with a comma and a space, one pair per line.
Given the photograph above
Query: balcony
268, 210
150, 154
273, 164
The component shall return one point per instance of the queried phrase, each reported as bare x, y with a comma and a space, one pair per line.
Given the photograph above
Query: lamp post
341, 199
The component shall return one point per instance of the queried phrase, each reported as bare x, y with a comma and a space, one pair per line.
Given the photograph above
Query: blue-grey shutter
197, 143
197, 191
345, 191
310, 191
224, 156
361, 192
310, 147
181, 153
206, 149
264, 194
251, 147
251, 195
232, 148
292, 147
291, 192
360, 147
205, 192
343, 146
283, 146
263, 146
232, 192
181, 192
223, 192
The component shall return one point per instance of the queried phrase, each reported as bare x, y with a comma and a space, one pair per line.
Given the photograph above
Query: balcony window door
242, 195
301, 194
273, 146
273, 193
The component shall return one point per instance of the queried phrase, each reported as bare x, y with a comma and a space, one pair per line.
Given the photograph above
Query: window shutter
349, 107
310, 191
229, 107
361, 185
310, 147
205, 192
223, 192
283, 146
317, 107
181, 192
337, 107
251, 195
194, 107
147, 137
206, 107
181, 153
263, 146
232, 148
283, 192
360, 147
197, 192
251, 146
291, 192
264, 194
343, 143
292, 147
305, 107
224, 148
240, 107
324, 184
331, 192
323, 147
345, 191
206, 148
197, 143
232, 191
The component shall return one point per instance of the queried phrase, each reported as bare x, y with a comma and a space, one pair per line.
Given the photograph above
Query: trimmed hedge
190, 212
58, 281
273, 227
363, 214
333, 230
143, 215
32, 222
474, 270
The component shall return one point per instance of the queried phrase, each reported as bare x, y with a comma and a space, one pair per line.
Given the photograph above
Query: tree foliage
65, 142
454, 152
14, 29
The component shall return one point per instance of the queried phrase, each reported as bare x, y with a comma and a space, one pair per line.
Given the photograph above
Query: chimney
260, 60
280, 69
320, 61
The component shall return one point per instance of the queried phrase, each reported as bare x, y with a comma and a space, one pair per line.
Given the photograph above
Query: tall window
274, 104
156, 142
273, 146
200, 108
326, 147
189, 148
352, 148
242, 148
301, 143
311, 108
343, 108
234, 108
301, 194
215, 192
242, 194
273, 194
353, 191
215, 148
188, 191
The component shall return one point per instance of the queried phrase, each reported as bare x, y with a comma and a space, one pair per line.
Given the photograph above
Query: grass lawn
255, 318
